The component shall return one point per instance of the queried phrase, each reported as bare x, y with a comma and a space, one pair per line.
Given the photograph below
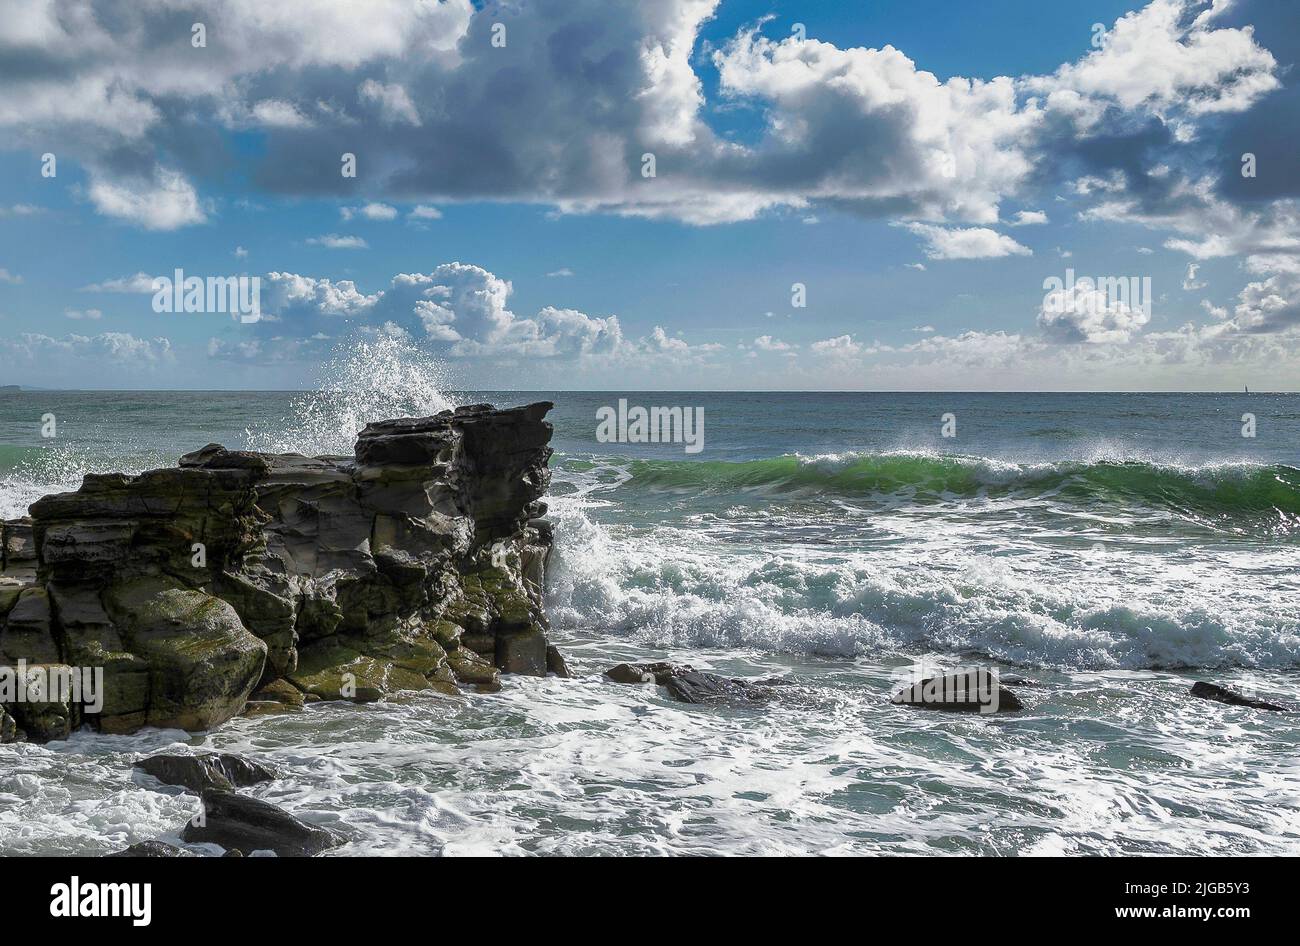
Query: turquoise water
1112, 548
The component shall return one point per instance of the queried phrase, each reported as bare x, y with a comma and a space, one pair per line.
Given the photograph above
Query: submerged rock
237, 822
151, 849
414, 564
220, 770
972, 691
689, 685
1221, 694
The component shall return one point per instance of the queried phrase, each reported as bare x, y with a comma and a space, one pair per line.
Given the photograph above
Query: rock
472, 669
658, 672
237, 822
151, 849
220, 770
1221, 694
696, 686
9, 731
522, 652
239, 575
689, 685
279, 691
202, 662
555, 662
629, 673
973, 691
333, 670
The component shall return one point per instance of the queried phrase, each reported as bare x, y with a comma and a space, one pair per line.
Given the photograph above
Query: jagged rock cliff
416, 564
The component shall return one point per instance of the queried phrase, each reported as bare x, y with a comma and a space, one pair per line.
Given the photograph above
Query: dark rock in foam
220, 770
1221, 694
237, 822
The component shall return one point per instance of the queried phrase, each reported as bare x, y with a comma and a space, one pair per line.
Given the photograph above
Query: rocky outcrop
415, 564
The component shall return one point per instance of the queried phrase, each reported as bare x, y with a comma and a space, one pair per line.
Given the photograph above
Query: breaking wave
374, 379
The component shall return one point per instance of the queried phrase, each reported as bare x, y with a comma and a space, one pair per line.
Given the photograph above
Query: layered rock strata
415, 564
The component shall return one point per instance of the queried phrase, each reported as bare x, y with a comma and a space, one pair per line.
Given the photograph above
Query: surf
1227, 487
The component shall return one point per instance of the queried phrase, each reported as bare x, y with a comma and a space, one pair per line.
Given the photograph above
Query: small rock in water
237, 822
689, 685
629, 673
151, 849
974, 691
197, 773
696, 686
1212, 691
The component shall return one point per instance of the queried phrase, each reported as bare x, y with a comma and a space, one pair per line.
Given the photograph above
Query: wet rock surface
688, 685
151, 849
415, 564
1222, 694
968, 692
197, 773
239, 823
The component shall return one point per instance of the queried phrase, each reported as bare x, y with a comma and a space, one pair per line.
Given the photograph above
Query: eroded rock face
416, 564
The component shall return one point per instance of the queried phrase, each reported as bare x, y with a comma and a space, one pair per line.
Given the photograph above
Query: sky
919, 195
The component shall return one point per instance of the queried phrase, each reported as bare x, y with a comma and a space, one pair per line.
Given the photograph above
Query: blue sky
921, 168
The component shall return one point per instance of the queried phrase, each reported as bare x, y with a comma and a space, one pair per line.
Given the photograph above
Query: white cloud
78, 314
1025, 218
768, 343
334, 241
966, 243
562, 272
6, 276
1085, 312
371, 211
116, 347
141, 282
166, 202
1154, 61
424, 212
842, 346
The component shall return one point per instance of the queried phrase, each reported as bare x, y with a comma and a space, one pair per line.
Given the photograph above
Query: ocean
1110, 548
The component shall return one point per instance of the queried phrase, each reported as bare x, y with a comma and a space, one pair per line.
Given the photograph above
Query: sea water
1109, 548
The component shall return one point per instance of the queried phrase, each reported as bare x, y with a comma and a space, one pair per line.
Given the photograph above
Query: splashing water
375, 379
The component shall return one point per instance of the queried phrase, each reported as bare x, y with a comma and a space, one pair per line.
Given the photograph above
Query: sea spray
367, 380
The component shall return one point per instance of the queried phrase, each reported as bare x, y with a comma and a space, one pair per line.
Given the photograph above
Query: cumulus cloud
588, 88
1087, 312
967, 243
6, 276
458, 310
114, 347
164, 201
